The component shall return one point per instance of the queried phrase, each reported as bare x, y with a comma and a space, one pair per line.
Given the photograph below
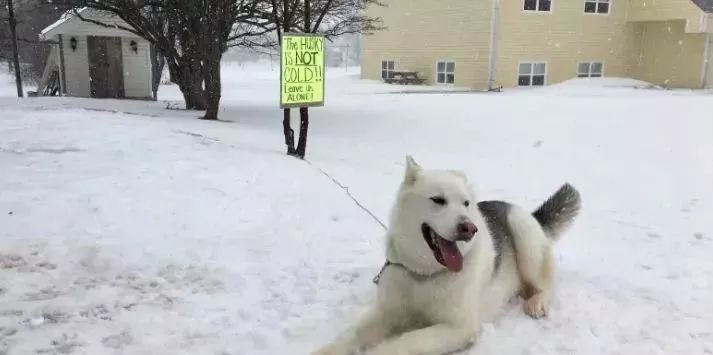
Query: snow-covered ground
126, 228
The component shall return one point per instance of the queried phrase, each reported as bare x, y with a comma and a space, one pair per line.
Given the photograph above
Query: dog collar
377, 278
414, 275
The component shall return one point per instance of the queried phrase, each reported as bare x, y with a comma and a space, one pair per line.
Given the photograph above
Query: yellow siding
638, 38
421, 32
668, 55
562, 39
665, 10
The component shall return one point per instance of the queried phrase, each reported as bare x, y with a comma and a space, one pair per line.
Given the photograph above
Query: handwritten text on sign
302, 68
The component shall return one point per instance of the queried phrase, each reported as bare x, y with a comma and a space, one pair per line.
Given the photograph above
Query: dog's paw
537, 306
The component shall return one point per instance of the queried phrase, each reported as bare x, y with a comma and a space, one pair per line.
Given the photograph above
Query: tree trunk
190, 83
212, 86
193, 93
289, 133
286, 123
304, 126
196, 78
304, 111
15, 51
158, 62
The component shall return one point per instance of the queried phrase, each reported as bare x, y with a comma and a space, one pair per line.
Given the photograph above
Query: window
596, 6
538, 5
590, 69
532, 74
446, 72
387, 69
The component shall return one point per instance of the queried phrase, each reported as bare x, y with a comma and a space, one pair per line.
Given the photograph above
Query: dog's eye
466, 203
439, 200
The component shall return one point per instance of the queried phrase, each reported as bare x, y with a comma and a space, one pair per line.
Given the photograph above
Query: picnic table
404, 78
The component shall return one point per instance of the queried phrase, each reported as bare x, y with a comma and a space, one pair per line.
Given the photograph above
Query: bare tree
31, 17
226, 22
192, 36
12, 21
331, 18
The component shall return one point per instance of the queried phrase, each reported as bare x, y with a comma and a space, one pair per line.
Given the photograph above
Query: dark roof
705, 5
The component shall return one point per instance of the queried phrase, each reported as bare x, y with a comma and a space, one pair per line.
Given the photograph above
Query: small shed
90, 60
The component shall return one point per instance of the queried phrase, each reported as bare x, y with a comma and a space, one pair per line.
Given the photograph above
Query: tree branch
324, 12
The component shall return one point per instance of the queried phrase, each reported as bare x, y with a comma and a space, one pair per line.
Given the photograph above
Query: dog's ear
459, 174
412, 171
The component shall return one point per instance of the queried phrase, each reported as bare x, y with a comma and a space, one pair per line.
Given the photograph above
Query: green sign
301, 70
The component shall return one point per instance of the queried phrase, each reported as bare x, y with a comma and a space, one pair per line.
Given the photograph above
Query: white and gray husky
452, 263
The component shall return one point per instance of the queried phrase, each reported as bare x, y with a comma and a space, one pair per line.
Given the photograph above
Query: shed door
106, 72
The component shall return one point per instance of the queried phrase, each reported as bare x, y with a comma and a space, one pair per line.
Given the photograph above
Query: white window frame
445, 72
589, 72
532, 72
596, 7
387, 70
537, 8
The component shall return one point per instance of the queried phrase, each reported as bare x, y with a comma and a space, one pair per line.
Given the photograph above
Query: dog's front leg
374, 326
434, 340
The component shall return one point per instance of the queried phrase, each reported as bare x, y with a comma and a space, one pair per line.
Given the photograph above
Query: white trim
707, 59
596, 7
70, 24
537, 8
66, 16
381, 67
494, 23
590, 62
532, 72
445, 73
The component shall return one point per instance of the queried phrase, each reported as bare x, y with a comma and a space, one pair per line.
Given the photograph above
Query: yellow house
485, 44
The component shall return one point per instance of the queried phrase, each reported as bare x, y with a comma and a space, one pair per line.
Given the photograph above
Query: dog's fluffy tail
559, 211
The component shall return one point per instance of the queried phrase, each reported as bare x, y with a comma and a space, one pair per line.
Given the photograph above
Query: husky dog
452, 263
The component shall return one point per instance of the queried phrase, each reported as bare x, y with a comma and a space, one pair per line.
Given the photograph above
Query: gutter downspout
494, 25
707, 59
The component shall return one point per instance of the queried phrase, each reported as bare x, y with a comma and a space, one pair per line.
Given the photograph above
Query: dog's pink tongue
452, 258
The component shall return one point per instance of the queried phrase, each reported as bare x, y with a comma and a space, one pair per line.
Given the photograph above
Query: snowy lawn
126, 228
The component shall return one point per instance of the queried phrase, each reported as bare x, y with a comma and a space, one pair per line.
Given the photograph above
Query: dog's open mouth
445, 251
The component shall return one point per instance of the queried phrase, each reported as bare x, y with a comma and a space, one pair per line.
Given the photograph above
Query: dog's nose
467, 229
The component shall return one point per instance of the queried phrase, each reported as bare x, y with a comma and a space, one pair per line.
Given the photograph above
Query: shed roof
705, 5
69, 22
